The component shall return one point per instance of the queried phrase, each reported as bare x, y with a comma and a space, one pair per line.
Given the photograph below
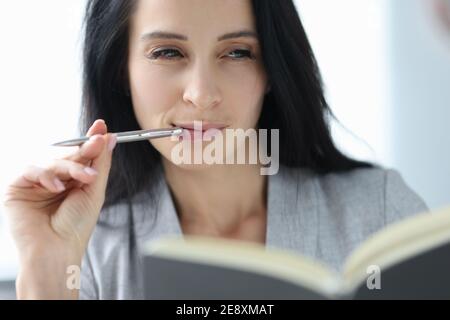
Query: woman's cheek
152, 97
246, 107
247, 86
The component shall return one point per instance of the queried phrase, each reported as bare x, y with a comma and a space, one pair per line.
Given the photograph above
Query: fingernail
90, 171
58, 184
112, 142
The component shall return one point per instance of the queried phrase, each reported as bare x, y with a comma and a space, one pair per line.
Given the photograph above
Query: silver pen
128, 136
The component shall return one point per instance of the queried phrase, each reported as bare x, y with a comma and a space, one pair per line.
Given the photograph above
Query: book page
397, 242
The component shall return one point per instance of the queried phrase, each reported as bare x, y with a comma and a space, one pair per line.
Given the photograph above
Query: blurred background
385, 64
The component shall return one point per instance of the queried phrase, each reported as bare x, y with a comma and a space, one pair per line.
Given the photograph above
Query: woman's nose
202, 88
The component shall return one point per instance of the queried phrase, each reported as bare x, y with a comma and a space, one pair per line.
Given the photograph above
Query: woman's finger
88, 151
92, 148
98, 127
53, 178
34, 175
67, 170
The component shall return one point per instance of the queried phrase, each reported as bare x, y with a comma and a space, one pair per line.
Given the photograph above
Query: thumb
102, 164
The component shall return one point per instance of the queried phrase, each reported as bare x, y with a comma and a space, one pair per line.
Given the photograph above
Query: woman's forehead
193, 15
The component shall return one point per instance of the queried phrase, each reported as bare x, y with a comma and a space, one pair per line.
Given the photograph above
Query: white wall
386, 68
419, 62
348, 38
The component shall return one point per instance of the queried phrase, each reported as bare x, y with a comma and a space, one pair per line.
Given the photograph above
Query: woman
161, 63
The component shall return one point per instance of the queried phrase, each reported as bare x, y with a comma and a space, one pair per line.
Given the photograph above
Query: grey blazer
324, 217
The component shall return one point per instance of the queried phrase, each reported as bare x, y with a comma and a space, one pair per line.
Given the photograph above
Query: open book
409, 259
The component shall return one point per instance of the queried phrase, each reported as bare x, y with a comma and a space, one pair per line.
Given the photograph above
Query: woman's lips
196, 131
202, 126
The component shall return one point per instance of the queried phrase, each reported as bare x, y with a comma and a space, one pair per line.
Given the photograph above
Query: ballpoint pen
128, 136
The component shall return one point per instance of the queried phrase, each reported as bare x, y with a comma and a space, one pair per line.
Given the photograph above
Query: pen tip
178, 131
58, 144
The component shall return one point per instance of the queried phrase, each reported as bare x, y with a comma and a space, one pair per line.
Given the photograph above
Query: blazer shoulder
353, 180
384, 188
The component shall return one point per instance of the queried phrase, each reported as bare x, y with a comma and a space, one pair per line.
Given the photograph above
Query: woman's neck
218, 200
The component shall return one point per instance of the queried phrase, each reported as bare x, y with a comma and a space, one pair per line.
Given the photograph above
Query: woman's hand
53, 211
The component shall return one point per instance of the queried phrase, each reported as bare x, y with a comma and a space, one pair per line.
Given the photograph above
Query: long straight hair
295, 104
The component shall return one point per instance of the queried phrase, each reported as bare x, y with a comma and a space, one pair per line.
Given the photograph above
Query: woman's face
188, 63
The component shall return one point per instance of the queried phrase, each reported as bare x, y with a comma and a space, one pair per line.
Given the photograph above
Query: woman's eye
168, 54
172, 54
241, 54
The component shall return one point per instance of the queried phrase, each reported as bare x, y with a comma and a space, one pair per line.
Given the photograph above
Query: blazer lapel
293, 220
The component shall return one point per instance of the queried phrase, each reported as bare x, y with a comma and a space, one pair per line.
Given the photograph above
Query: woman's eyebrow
170, 35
